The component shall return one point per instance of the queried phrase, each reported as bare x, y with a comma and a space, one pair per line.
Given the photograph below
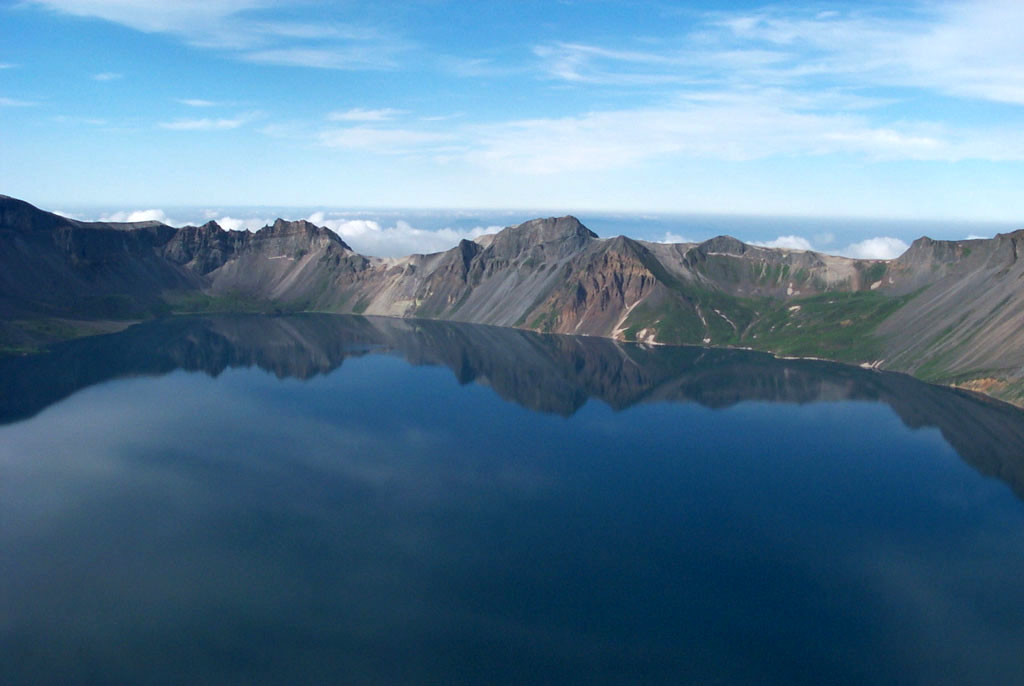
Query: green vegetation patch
192, 302
673, 321
29, 336
839, 326
545, 321
361, 305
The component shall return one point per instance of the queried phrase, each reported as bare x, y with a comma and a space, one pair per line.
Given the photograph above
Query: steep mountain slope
62, 267
966, 323
947, 311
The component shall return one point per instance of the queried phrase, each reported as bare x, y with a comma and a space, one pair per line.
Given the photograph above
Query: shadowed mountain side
547, 373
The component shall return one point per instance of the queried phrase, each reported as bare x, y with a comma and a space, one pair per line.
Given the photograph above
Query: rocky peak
724, 245
552, 229
567, 233
927, 251
282, 228
211, 227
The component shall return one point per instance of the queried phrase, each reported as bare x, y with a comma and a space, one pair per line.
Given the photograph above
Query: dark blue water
348, 500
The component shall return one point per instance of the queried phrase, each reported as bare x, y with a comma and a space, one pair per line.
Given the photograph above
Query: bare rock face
948, 311
204, 248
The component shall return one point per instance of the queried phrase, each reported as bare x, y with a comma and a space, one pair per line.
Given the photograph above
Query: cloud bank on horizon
883, 109
396, 234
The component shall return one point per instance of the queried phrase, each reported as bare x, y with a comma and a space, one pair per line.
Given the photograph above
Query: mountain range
945, 311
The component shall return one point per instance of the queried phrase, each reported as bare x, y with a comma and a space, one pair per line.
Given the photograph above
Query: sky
867, 111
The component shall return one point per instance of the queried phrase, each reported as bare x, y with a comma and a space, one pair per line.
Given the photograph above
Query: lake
329, 499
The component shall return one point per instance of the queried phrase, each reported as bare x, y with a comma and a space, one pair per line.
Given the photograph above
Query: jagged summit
553, 228
724, 245
291, 226
561, 234
300, 229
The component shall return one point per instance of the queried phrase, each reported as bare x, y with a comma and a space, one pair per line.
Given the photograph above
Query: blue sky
885, 110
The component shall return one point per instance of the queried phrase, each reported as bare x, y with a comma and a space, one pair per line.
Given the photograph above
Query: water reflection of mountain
555, 374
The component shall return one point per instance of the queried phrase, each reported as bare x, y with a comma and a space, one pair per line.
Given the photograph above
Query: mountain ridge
945, 311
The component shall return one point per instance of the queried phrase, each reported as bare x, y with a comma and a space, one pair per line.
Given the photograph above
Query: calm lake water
323, 499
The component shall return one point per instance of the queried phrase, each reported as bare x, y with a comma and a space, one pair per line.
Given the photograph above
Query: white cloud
959, 48
670, 237
298, 130
207, 124
67, 119
137, 216
195, 102
580, 64
974, 237
154, 17
107, 76
6, 65
443, 117
370, 237
242, 224
969, 49
231, 25
225, 221
728, 127
787, 243
389, 141
824, 238
14, 102
360, 114
721, 125
344, 57
879, 248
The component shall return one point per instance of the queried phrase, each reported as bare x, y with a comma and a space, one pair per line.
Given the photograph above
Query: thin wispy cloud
6, 65
107, 76
718, 126
443, 117
360, 114
207, 123
476, 67
69, 119
195, 102
342, 57
232, 26
735, 131
385, 141
15, 102
965, 49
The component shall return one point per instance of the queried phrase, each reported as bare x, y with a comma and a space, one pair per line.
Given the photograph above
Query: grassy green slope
838, 326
